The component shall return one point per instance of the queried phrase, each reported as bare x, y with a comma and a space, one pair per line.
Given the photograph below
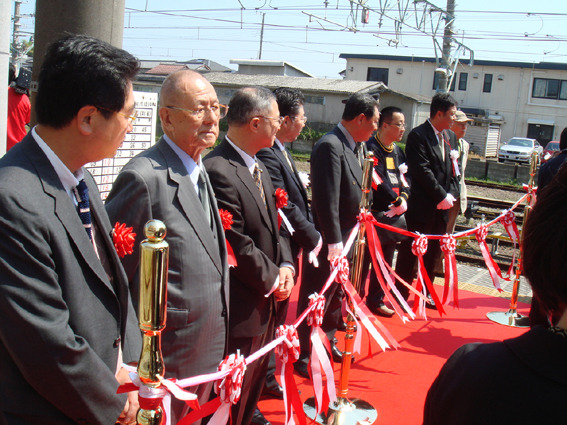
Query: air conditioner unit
501, 77
400, 71
475, 75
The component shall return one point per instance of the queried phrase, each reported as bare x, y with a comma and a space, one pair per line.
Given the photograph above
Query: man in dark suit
67, 317
264, 271
284, 174
434, 184
168, 182
336, 178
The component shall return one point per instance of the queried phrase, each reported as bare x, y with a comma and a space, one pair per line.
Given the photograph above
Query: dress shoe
381, 310
272, 389
301, 368
258, 418
338, 354
341, 326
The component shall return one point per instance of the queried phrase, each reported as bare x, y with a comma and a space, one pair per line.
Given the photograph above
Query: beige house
506, 99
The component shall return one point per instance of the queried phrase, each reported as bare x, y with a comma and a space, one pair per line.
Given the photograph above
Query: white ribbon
454, 157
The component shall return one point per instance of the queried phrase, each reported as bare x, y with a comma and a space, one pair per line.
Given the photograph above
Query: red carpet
395, 382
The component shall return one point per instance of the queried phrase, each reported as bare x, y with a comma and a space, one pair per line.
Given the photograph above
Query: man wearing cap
460, 129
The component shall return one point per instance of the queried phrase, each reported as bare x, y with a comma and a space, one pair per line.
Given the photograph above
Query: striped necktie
82, 195
204, 196
257, 174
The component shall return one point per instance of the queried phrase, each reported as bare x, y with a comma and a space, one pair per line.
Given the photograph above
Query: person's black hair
289, 101
387, 113
545, 245
563, 139
441, 102
248, 102
359, 103
11, 73
77, 71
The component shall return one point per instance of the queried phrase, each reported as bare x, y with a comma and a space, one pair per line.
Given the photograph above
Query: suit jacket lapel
66, 211
350, 157
190, 202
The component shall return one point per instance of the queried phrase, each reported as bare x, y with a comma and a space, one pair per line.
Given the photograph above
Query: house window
377, 74
487, 87
453, 83
463, 77
546, 88
316, 100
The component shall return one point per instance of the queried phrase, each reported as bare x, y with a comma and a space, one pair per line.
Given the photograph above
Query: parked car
550, 151
519, 149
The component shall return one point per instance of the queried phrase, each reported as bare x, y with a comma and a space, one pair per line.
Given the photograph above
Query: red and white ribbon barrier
481, 233
342, 267
509, 222
448, 245
376, 180
288, 353
419, 248
319, 358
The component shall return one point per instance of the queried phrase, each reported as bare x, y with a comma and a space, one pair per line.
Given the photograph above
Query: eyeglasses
279, 120
219, 110
303, 118
131, 118
399, 125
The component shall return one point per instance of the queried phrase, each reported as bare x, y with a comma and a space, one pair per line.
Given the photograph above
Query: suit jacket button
117, 342
353, 182
223, 314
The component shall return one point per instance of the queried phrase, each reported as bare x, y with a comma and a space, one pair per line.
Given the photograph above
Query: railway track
500, 186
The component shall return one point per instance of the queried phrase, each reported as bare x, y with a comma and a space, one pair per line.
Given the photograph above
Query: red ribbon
288, 352
481, 233
419, 248
508, 220
226, 220
123, 239
448, 245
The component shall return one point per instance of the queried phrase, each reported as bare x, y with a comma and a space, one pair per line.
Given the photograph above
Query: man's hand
399, 210
335, 250
128, 415
446, 203
313, 254
285, 284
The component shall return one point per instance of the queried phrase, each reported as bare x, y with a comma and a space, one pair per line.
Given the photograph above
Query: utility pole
445, 70
261, 36
4, 55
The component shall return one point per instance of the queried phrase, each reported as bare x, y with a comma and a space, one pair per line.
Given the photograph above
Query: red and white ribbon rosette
376, 180
319, 359
288, 352
454, 155
403, 170
481, 233
281, 201
419, 248
341, 264
123, 239
448, 245
226, 220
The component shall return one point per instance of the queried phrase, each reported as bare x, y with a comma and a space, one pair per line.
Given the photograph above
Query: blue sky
221, 30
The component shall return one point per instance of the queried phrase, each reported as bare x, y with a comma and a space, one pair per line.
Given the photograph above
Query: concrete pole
103, 19
4, 63
447, 35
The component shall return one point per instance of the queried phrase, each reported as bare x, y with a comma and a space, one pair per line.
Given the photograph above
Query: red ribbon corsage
123, 239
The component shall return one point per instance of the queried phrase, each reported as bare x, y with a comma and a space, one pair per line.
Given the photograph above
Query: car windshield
521, 142
552, 146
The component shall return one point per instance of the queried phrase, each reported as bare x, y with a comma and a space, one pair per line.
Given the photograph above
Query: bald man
168, 182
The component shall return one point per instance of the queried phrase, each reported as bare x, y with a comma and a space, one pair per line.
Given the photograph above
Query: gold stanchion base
342, 412
510, 318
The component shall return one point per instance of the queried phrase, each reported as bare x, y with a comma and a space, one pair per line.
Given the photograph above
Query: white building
506, 99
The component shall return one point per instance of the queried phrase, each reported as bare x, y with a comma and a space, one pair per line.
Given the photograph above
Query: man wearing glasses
264, 271
68, 322
168, 182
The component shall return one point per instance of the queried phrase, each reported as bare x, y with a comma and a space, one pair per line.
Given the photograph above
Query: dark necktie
204, 196
359, 152
257, 174
83, 207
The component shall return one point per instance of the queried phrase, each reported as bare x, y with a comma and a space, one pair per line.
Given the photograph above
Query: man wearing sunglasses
168, 182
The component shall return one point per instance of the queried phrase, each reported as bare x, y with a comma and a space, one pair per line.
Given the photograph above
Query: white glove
446, 203
399, 210
313, 254
304, 177
335, 250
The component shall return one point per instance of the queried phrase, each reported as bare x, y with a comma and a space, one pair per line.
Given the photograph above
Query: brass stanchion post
355, 411
512, 317
154, 254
